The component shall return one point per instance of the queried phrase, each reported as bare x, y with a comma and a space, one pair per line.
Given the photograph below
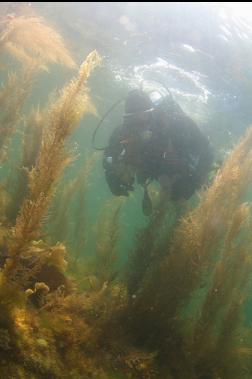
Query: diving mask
140, 117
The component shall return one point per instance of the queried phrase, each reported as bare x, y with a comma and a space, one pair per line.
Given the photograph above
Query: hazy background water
201, 51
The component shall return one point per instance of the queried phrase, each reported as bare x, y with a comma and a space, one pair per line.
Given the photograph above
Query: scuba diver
157, 141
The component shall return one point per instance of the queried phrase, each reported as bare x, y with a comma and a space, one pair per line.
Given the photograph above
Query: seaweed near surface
29, 39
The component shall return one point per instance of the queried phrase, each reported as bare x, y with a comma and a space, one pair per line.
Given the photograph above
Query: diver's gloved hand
125, 188
116, 186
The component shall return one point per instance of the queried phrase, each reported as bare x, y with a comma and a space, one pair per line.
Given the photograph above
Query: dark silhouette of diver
156, 141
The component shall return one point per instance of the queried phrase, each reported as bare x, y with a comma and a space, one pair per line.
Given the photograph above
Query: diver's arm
115, 168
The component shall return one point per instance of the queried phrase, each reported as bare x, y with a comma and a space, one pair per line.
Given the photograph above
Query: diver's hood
136, 101
138, 106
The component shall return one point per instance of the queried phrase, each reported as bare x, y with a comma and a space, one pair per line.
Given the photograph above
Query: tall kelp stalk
62, 117
210, 248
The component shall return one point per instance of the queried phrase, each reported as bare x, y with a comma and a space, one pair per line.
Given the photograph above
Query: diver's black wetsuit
167, 144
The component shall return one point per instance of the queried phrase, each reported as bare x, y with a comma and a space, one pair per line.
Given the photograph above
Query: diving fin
146, 203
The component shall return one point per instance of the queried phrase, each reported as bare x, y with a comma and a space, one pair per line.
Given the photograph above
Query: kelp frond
30, 39
63, 116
